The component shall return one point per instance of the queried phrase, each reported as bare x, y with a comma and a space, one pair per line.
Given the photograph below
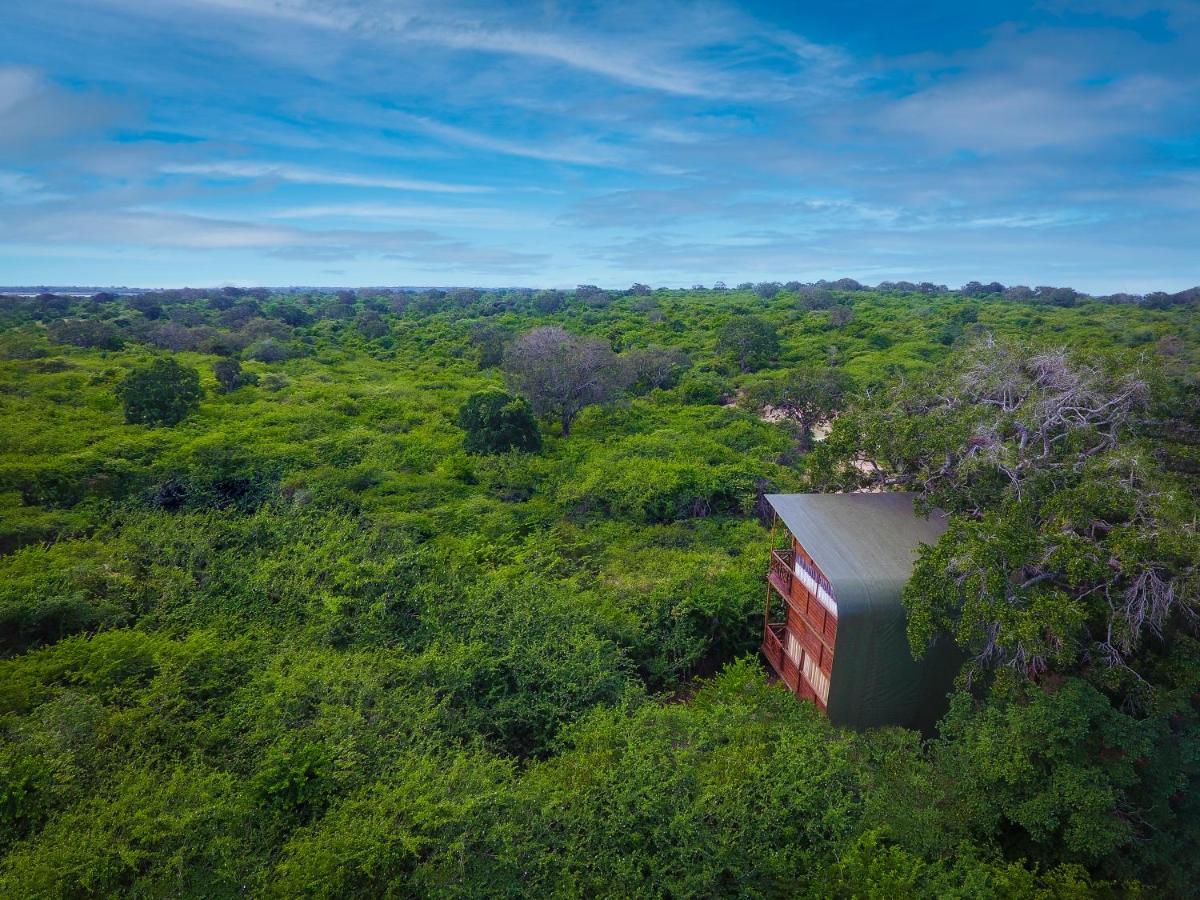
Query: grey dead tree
561, 373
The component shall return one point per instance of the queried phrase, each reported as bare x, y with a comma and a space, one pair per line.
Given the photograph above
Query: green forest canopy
303, 642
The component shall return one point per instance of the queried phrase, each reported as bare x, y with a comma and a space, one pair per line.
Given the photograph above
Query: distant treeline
431, 298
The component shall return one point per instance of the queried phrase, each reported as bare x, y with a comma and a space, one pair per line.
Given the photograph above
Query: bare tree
561, 373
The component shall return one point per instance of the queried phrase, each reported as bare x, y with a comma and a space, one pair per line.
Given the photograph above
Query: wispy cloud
144, 228
580, 151
609, 61
463, 216
705, 53
1031, 90
306, 175
1026, 110
17, 187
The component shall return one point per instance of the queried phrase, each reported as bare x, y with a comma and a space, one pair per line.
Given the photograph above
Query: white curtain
817, 679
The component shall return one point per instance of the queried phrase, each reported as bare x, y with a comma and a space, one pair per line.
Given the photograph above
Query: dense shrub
269, 350
496, 422
91, 333
165, 392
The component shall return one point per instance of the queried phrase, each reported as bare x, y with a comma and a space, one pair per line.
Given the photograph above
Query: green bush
496, 422
163, 393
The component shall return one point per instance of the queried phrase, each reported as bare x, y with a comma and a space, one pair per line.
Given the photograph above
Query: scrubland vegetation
458, 593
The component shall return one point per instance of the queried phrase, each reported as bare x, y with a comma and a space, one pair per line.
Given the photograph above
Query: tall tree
750, 340
562, 373
1069, 547
653, 367
804, 396
1069, 575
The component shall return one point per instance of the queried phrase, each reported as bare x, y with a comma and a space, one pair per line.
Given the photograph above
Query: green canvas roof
866, 545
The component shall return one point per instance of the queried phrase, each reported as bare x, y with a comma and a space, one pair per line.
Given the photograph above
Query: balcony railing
780, 571
772, 647
816, 583
786, 566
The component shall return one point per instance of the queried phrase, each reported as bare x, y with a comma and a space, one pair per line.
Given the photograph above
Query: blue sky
363, 142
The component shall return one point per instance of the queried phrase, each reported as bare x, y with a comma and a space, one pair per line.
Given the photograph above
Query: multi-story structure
834, 628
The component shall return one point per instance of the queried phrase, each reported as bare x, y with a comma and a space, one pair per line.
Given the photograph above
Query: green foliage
751, 340
496, 422
163, 393
49, 592
805, 396
310, 645
411, 832
230, 376
86, 333
187, 832
702, 388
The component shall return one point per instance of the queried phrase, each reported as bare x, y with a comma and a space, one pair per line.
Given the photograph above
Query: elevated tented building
834, 627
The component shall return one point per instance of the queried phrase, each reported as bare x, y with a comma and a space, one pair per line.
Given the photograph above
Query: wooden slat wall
791, 674
814, 625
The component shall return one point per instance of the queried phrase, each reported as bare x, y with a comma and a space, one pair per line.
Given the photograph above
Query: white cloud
655, 48
17, 187
33, 110
17, 83
306, 175
70, 228
589, 56
1005, 112
1042, 89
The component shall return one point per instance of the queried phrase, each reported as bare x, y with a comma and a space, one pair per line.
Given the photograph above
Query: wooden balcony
780, 572
772, 648
810, 624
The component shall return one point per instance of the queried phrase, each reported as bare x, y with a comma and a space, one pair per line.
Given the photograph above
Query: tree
847, 284
549, 301
812, 297
268, 350
492, 340
651, 368
1070, 548
1070, 578
1057, 296
371, 324
840, 315
562, 373
91, 333
496, 421
147, 305
230, 376
804, 396
163, 393
592, 295
171, 335
750, 340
